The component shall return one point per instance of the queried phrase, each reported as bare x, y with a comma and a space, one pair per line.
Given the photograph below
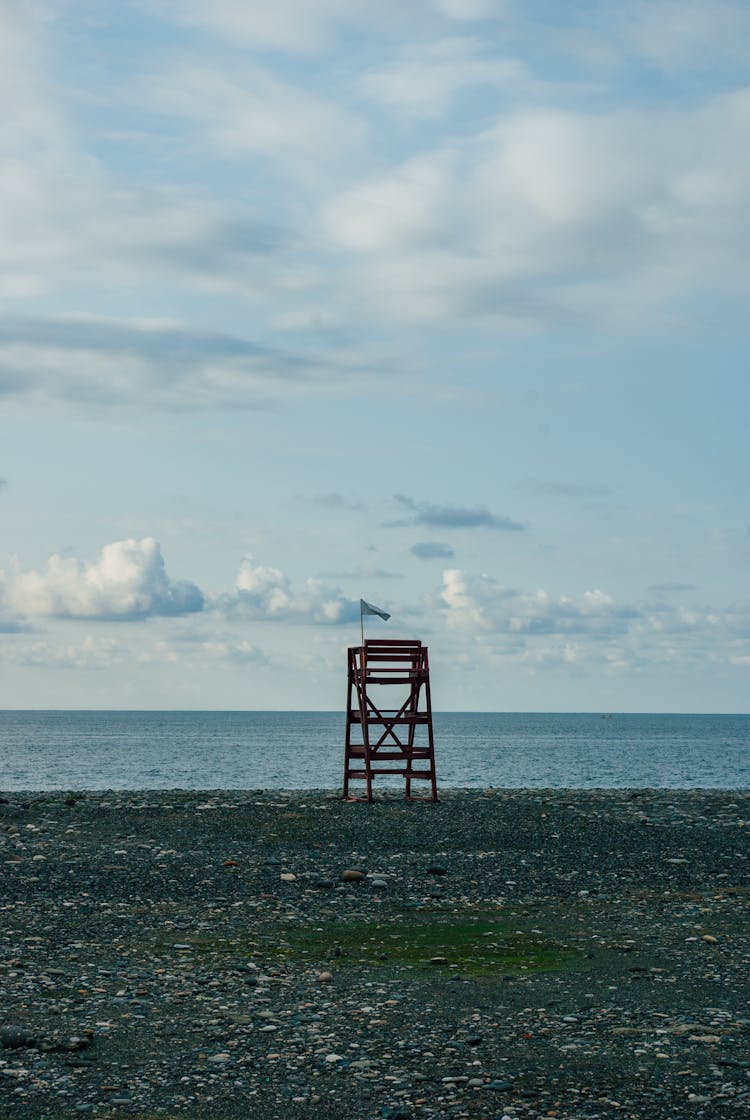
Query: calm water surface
304, 750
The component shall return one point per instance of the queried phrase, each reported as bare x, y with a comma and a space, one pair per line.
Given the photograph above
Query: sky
443, 305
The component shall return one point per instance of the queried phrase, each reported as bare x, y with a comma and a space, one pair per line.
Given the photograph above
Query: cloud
299, 26
428, 79
65, 216
564, 489
431, 550
484, 604
254, 111
266, 594
674, 586
470, 9
537, 627
311, 26
236, 652
90, 654
336, 501
128, 582
94, 360
674, 36
452, 517
362, 573
553, 215
10, 622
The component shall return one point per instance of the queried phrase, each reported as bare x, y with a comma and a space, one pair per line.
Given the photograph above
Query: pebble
243, 1015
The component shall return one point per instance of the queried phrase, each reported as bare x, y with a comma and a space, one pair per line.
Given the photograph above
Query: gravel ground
226, 955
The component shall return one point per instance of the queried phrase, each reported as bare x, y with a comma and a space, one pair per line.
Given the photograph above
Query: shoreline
506, 952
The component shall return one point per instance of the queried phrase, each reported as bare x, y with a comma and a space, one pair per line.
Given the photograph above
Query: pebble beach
502, 954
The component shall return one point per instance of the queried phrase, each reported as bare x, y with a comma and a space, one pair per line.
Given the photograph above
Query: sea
192, 750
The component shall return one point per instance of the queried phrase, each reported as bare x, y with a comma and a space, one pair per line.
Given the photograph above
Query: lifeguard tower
389, 731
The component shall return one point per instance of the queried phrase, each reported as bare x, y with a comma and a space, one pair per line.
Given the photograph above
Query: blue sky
443, 305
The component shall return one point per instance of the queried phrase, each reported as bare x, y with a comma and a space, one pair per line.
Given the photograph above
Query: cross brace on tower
399, 736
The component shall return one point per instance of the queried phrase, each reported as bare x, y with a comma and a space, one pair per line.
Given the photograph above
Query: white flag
367, 608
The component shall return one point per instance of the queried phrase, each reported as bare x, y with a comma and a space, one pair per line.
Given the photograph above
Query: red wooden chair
399, 736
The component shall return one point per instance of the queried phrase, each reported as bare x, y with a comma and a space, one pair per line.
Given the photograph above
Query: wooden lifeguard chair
400, 737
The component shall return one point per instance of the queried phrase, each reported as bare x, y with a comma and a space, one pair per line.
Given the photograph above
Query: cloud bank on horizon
442, 305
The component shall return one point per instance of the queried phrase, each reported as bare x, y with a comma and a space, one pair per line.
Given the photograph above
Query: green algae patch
474, 947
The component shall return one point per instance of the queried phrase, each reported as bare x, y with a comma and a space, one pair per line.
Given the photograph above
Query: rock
352, 876
710, 939
378, 884
437, 869
16, 1038
438, 960
287, 877
325, 977
323, 884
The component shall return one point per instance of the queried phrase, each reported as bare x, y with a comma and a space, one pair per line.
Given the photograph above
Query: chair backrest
392, 661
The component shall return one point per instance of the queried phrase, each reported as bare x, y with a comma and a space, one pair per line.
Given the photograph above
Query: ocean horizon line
606, 712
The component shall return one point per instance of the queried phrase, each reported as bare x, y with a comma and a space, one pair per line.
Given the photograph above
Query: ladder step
390, 755
395, 721
391, 770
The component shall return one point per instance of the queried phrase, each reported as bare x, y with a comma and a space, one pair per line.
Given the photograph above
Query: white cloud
471, 9
676, 35
65, 216
308, 26
429, 78
485, 604
507, 224
265, 590
90, 654
267, 594
128, 581
290, 25
537, 628
10, 623
256, 111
